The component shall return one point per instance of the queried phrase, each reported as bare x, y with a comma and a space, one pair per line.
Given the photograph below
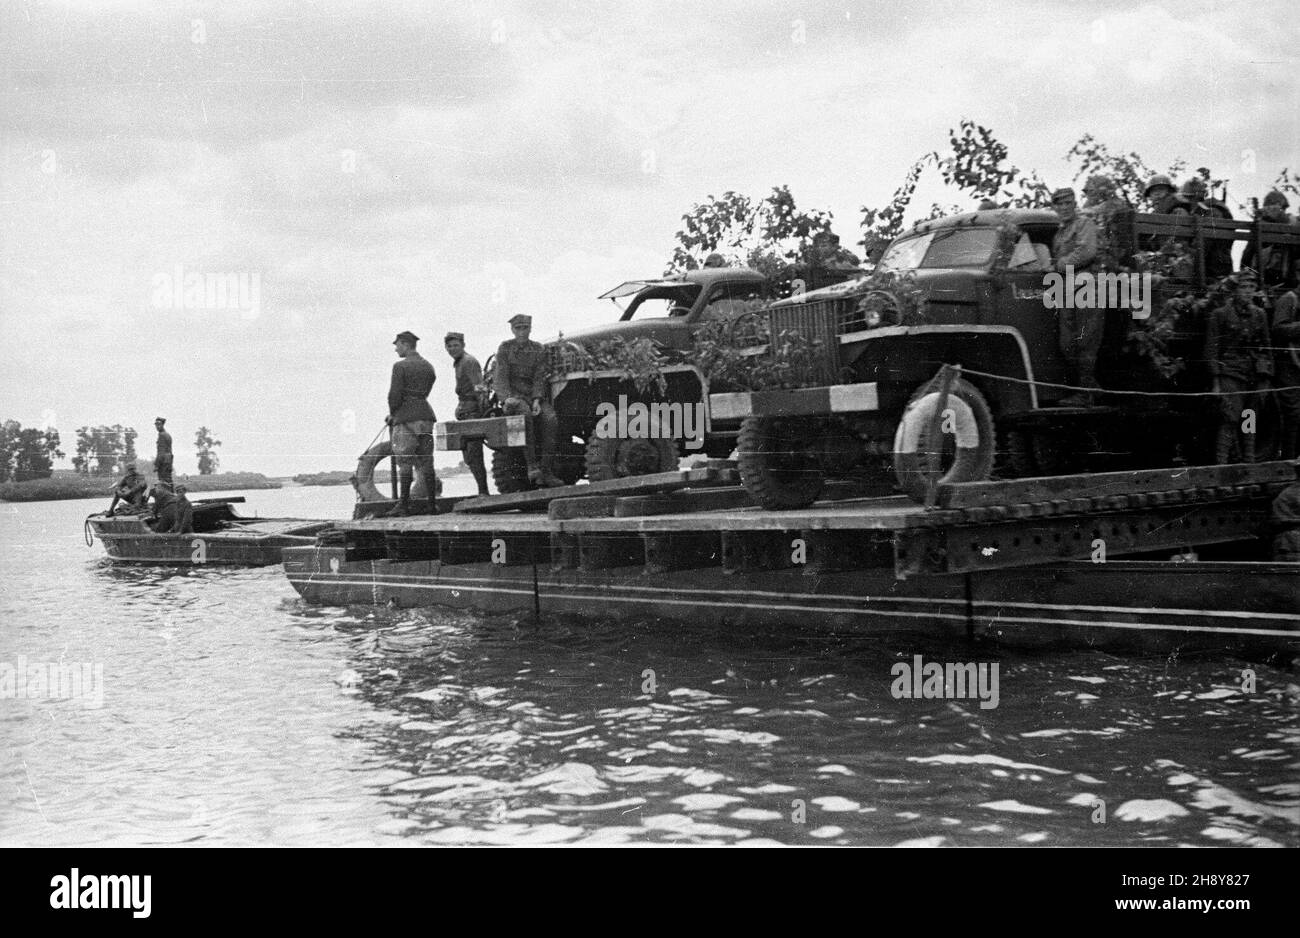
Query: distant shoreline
65, 484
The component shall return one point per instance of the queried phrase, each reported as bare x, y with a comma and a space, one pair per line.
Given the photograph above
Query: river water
231, 713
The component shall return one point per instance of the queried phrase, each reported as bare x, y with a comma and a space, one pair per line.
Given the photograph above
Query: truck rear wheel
510, 471
966, 443
778, 462
619, 458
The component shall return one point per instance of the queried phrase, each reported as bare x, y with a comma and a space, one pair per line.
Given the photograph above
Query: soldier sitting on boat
184, 523
164, 508
130, 490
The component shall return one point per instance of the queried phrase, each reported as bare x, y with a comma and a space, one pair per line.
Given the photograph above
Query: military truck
944, 365
667, 312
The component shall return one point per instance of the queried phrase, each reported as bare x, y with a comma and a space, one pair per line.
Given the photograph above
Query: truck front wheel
778, 462
966, 443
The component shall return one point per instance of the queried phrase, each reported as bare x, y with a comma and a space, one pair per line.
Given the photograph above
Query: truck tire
510, 471
618, 457
973, 433
775, 463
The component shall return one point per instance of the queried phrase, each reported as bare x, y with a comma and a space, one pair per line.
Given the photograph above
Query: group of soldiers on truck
1242, 352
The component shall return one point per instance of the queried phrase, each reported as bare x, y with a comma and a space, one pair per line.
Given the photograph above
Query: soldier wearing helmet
1106, 205
1276, 263
1196, 198
1161, 194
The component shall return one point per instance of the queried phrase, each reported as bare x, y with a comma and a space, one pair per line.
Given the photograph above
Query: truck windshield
664, 301
954, 247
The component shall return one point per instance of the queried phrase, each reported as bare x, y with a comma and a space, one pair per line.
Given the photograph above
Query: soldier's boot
549, 479
403, 506
1223, 443
480, 478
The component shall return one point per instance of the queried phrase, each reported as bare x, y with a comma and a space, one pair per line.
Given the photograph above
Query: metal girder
1027, 542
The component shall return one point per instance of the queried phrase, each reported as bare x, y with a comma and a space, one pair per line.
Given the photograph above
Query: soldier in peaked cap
1079, 331
470, 403
162, 462
411, 418
521, 383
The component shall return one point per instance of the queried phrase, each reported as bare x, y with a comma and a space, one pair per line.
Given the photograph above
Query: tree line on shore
28, 453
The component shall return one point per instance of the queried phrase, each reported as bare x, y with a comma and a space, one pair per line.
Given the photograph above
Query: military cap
410, 337
1276, 198
159, 419
1062, 194
1159, 179
520, 319
1246, 274
457, 336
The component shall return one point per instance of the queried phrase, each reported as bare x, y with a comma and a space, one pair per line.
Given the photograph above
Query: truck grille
817, 322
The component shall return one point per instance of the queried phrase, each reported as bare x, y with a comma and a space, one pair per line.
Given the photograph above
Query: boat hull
1155, 605
256, 544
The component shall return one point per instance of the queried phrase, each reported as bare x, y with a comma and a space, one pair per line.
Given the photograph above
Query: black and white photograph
650, 424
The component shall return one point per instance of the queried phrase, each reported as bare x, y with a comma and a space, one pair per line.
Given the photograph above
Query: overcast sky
369, 168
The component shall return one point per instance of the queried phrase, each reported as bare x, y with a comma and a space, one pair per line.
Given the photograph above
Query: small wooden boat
221, 536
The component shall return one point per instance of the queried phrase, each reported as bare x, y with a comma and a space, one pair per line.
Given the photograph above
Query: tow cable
89, 532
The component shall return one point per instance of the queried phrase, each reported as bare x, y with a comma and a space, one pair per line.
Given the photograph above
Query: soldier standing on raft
1238, 354
162, 461
470, 403
411, 418
520, 380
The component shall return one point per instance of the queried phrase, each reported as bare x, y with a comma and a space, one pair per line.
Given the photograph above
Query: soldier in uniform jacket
130, 489
1276, 263
411, 418
162, 463
1237, 351
470, 403
521, 383
1286, 346
1195, 198
1079, 331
